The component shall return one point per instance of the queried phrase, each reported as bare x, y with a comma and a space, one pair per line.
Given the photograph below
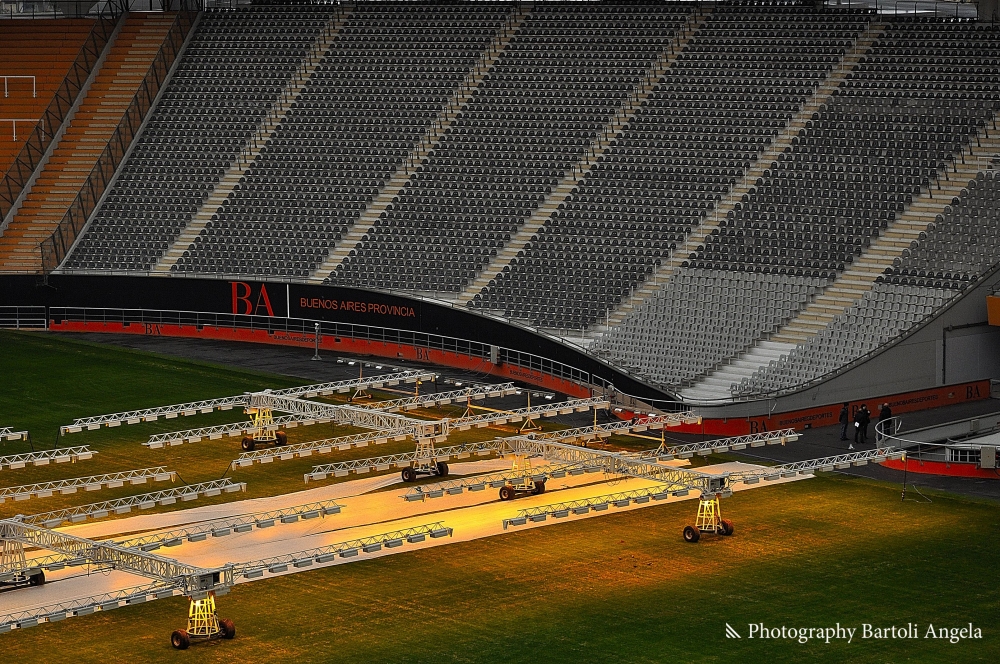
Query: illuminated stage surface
366, 511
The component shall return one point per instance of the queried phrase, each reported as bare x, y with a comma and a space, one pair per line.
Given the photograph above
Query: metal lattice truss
838, 462
720, 446
143, 502
239, 401
88, 605
217, 432
189, 578
519, 415
45, 457
93, 483
198, 532
242, 523
495, 480
585, 505
7, 433
306, 411
429, 400
325, 446
618, 464
362, 466
348, 549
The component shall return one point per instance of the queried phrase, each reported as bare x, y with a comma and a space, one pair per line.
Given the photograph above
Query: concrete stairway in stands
128, 60
462, 94
717, 384
265, 130
614, 128
822, 95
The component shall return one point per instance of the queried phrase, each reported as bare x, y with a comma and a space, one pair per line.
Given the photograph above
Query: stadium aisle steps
87, 135
821, 96
463, 93
295, 85
44, 49
612, 132
717, 384
857, 280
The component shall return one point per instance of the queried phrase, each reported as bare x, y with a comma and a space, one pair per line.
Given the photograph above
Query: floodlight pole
316, 354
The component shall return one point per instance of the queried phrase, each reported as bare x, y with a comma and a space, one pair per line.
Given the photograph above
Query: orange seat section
86, 137
44, 49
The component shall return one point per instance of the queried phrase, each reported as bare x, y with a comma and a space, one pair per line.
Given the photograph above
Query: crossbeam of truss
348, 549
151, 566
519, 415
92, 483
172, 438
143, 502
719, 446
431, 399
85, 606
495, 480
810, 466
7, 433
324, 446
45, 457
585, 505
238, 401
241, 523
361, 466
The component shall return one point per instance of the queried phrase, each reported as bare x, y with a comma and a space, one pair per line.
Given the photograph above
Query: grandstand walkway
453, 108
854, 282
611, 132
58, 185
265, 131
820, 96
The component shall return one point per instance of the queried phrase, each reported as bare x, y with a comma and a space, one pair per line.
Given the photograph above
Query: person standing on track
845, 419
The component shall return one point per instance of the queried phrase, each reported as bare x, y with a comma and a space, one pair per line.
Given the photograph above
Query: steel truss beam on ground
431, 399
143, 502
361, 466
164, 570
92, 483
7, 433
719, 446
313, 411
520, 414
241, 400
808, 467
495, 480
325, 446
45, 457
160, 440
348, 549
240, 523
88, 605
585, 505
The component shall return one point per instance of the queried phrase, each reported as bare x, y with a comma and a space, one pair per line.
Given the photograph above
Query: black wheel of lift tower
180, 639
727, 527
539, 488
506, 493
442, 469
247, 444
280, 438
409, 475
691, 534
37, 579
228, 628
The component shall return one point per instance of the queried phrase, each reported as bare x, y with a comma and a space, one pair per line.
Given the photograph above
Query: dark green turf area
618, 588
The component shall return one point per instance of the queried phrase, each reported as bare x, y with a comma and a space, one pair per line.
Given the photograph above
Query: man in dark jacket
845, 419
866, 418
857, 427
884, 414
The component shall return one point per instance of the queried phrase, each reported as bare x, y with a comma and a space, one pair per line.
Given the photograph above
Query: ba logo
732, 633
245, 304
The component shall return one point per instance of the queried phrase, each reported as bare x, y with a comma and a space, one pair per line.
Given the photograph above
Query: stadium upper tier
710, 196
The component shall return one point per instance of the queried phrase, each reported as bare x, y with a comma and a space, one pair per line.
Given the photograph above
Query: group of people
862, 418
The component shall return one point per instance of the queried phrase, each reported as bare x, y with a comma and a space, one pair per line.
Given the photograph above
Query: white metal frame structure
45, 457
143, 502
8, 433
93, 483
